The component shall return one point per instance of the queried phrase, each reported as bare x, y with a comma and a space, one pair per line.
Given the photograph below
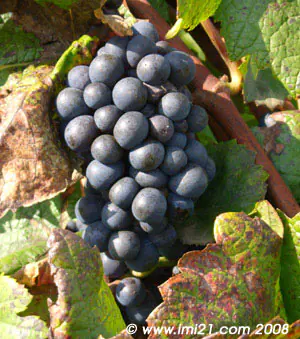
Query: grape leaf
85, 307
290, 266
236, 278
162, 8
282, 143
34, 166
193, 11
65, 4
263, 86
18, 47
14, 298
23, 235
237, 186
269, 31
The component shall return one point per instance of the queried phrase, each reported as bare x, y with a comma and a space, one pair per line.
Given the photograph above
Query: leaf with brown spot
14, 298
85, 307
235, 280
282, 143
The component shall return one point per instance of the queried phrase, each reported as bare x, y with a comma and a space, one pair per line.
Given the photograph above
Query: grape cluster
131, 115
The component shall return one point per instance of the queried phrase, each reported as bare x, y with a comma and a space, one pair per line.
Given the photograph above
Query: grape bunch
130, 114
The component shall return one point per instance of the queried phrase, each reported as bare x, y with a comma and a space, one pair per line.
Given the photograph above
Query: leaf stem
235, 85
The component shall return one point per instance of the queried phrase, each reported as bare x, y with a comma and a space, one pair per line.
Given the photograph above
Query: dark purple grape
114, 218
175, 160
106, 150
175, 106
163, 47
153, 69
197, 119
124, 245
97, 95
137, 48
155, 178
130, 292
123, 192
88, 209
179, 208
113, 269
161, 128
147, 29
78, 77
166, 237
196, 153
96, 234
210, 169
154, 228
177, 140
106, 118
80, 133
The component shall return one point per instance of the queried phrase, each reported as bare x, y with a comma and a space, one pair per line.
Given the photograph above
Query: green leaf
282, 143
14, 298
65, 4
239, 183
85, 307
290, 266
193, 11
24, 234
236, 278
18, 48
249, 119
162, 8
262, 86
267, 30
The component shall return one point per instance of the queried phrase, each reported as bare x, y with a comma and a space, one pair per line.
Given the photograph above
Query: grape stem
235, 85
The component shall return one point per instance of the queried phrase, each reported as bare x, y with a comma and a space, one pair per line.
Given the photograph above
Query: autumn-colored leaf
290, 266
235, 280
14, 298
85, 307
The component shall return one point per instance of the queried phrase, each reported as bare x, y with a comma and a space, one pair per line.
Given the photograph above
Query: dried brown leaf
33, 166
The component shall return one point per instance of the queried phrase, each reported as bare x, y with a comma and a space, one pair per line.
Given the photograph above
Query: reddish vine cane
210, 94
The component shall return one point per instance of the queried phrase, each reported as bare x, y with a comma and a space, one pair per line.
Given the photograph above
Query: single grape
179, 208
191, 182
197, 119
183, 69
88, 209
155, 178
131, 129
210, 169
130, 292
148, 111
181, 126
166, 237
154, 228
147, 257
146, 29
113, 269
196, 153
89, 190
177, 140
149, 206
78, 77
173, 252
175, 106
106, 68
163, 47
174, 161
106, 118
147, 156
80, 133
97, 95
123, 192
153, 69
184, 90
101, 176
161, 128
139, 314
70, 103
96, 234
114, 218
71, 226
106, 150
124, 245
117, 46
115, 4
137, 48
129, 94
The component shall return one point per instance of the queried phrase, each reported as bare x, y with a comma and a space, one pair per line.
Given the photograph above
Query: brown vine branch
235, 85
223, 110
